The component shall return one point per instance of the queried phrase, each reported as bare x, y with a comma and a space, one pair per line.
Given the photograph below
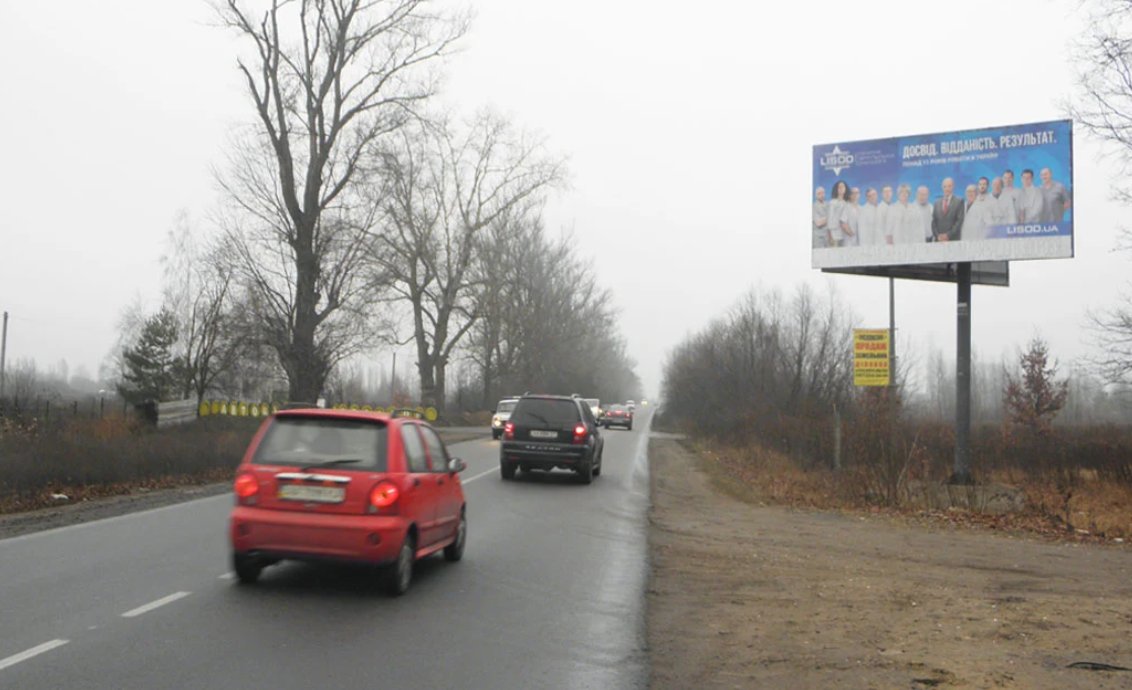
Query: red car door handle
439, 481
416, 482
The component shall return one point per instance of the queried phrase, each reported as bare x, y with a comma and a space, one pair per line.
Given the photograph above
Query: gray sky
688, 127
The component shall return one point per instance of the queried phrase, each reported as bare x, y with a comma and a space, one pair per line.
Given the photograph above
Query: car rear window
543, 412
616, 408
506, 406
314, 440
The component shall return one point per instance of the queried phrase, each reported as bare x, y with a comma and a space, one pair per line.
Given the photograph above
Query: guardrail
237, 408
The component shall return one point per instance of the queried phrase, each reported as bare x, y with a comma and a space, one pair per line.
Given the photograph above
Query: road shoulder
744, 596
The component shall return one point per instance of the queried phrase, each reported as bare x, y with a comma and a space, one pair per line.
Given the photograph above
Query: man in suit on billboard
947, 214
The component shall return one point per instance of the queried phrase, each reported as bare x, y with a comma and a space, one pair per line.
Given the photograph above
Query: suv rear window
313, 440
542, 412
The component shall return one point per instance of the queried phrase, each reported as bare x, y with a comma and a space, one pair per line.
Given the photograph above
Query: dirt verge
744, 595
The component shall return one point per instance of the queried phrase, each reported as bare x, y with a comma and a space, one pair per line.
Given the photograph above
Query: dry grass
1089, 508
95, 458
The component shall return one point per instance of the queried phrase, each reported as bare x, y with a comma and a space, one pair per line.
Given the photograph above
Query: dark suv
549, 431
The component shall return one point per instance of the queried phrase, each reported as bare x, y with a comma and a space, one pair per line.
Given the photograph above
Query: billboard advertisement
870, 357
994, 194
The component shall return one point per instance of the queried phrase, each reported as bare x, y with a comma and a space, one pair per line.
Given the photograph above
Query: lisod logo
836, 160
1032, 229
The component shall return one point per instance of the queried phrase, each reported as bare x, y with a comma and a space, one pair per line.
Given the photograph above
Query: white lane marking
155, 604
469, 480
34, 651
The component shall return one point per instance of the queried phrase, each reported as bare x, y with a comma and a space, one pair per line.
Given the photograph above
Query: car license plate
544, 434
312, 494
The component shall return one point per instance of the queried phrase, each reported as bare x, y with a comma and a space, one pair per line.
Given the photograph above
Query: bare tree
1103, 107
328, 80
198, 287
444, 188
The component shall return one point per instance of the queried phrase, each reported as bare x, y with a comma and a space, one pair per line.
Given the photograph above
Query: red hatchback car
344, 485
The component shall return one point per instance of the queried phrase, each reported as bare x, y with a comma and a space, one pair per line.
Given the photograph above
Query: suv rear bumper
543, 455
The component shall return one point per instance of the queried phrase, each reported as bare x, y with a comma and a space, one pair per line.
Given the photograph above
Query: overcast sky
688, 127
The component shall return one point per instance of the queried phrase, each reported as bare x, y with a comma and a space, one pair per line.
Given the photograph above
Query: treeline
357, 215
771, 360
776, 372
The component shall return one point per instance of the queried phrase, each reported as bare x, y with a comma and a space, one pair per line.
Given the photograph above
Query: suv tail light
246, 488
580, 433
383, 498
509, 431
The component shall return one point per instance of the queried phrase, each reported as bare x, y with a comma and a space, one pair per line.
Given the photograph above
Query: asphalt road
550, 594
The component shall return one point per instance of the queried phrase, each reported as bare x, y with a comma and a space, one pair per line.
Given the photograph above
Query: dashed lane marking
33, 652
155, 604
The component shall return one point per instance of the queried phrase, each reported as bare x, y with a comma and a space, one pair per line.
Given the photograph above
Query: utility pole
3, 354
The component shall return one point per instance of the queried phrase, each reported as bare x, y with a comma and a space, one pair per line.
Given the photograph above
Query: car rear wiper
328, 463
544, 419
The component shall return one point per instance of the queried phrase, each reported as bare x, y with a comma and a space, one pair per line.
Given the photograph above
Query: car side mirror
457, 465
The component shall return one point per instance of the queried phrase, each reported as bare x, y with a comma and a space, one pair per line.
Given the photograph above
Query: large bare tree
445, 186
1103, 107
328, 79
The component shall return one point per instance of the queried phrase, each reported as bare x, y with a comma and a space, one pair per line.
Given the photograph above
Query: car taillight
580, 433
383, 497
509, 430
246, 487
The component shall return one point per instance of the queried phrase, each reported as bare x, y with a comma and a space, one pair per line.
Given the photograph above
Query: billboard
870, 357
995, 194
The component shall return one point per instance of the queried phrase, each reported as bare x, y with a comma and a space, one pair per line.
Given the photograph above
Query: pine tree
152, 370
1034, 400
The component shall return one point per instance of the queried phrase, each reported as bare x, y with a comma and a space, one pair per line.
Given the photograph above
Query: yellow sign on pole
870, 357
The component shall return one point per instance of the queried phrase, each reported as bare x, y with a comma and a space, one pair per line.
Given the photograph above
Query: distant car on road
631, 405
501, 415
619, 415
551, 431
345, 485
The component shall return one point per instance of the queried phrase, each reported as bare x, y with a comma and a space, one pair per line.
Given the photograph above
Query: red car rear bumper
286, 534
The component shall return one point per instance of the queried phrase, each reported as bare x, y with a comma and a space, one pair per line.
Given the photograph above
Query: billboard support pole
962, 471
891, 332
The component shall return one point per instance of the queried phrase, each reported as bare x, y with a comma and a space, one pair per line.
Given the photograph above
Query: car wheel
495, 434
629, 428
455, 551
507, 470
400, 574
247, 568
586, 472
